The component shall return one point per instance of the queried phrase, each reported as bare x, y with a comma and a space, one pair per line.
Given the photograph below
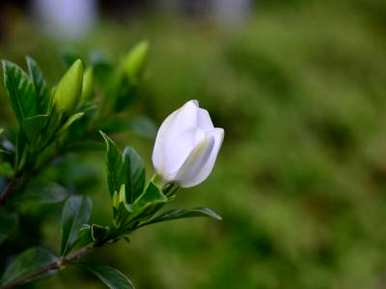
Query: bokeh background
300, 88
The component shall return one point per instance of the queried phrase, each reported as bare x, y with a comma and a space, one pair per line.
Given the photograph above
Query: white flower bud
187, 146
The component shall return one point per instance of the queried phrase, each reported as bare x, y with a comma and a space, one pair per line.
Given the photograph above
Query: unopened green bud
134, 62
69, 88
87, 86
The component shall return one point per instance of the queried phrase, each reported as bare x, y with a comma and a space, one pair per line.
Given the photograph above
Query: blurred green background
300, 88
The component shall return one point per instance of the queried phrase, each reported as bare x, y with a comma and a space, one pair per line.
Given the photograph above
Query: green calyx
69, 88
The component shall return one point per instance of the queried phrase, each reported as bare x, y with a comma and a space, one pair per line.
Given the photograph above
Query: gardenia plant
185, 151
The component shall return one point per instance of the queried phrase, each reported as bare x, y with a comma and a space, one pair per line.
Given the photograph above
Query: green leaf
113, 161
26, 264
1, 131
21, 150
111, 277
73, 118
76, 212
8, 223
99, 233
132, 174
152, 194
41, 90
84, 237
125, 169
147, 204
33, 126
175, 214
20, 90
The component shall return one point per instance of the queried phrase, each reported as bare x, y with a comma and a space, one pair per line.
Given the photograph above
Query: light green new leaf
76, 212
8, 223
25, 264
113, 278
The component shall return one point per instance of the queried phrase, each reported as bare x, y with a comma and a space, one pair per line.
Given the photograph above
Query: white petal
204, 121
205, 170
196, 160
175, 139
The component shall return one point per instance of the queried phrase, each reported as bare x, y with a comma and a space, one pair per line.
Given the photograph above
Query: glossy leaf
148, 204
111, 277
113, 161
25, 264
132, 174
125, 169
70, 121
20, 90
76, 212
41, 90
84, 237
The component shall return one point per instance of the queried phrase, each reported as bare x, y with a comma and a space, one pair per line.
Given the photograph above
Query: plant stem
56, 265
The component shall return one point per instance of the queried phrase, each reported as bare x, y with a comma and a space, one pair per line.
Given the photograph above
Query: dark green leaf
132, 174
175, 214
151, 195
113, 161
76, 212
73, 118
99, 233
8, 223
20, 90
26, 264
84, 238
41, 90
111, 277
21, 151
33, 126
124, 169
147, 204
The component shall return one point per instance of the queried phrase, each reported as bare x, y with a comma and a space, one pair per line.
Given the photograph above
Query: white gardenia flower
187, 146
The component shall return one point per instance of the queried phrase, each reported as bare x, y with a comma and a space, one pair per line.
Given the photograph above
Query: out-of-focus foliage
301, 179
